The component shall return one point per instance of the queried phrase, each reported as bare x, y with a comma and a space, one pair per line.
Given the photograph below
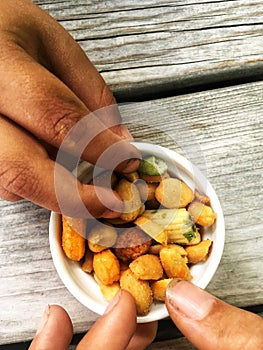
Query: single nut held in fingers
130, 195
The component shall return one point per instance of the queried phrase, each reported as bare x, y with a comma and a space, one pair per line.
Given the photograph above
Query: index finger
27, 172
43, 104
115, 328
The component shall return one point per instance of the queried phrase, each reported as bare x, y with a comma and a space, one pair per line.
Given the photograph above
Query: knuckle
106, 97
10, 197
18, 179
58, 121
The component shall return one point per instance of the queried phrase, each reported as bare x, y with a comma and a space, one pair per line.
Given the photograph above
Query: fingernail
43, 320
113, 302
125, 133
132, 165
189, 300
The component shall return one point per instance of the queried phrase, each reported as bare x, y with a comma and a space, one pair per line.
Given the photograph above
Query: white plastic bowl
83, 286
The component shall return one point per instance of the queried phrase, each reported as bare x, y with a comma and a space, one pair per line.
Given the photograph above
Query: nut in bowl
172, 222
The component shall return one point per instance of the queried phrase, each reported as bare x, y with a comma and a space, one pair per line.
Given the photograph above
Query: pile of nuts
157, 237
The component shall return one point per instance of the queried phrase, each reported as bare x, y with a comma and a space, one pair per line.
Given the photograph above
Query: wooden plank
221, 132
223, 139
147, 47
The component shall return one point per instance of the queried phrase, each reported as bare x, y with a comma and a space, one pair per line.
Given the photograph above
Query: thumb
55, 330
210, 323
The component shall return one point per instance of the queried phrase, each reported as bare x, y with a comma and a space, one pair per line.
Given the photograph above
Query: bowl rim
63, 265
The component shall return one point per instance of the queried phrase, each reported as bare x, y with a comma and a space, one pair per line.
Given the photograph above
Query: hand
115, 330
209, 323
47, 86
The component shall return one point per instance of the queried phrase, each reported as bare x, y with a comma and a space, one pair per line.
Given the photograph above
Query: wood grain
153, 46
221, 132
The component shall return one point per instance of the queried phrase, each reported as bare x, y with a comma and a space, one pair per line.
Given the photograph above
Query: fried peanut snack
108, 291
155, 249
174, 261
202, 214
73, 241
159, 289
140, 290
157, 237
147, 267
147, 193
131, 198
106, 267
174, 193
198, 252
132, 177
174, 252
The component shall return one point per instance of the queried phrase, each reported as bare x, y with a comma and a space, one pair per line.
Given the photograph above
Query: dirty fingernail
189, 300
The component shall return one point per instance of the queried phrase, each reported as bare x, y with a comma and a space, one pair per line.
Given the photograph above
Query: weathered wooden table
193, 70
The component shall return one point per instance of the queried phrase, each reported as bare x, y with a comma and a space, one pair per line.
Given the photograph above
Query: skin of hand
205, 320
210, 323
115, 330
48, 85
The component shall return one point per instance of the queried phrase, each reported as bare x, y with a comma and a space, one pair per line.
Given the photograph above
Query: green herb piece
190, 235
153, 166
